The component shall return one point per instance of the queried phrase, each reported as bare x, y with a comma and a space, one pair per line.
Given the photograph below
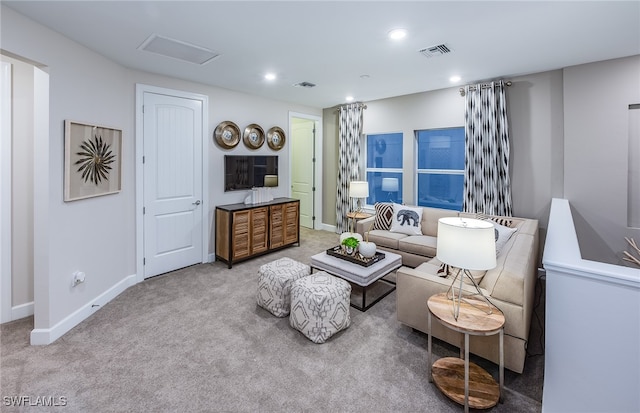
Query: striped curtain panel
487, 187
350, 131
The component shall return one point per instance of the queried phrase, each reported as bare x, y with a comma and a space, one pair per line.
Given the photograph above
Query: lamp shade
271, 180
358, 189
390, 184
466, 243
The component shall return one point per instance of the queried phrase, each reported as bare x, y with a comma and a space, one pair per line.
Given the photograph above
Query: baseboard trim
44, 336
22, 311
327, 227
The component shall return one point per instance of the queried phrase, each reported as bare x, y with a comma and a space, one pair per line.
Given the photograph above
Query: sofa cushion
430, 217
418, 244
406, 220
429, 271
384, 215
506, 281
385, 238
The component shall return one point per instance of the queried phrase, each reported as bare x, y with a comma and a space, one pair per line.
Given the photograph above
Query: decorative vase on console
367, 249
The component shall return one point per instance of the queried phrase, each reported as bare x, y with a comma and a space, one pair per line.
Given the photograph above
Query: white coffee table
359, 275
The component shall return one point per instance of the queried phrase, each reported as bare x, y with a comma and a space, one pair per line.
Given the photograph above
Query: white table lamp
468, 244
359, 190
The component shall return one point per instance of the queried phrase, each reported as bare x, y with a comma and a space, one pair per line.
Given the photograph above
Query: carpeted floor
195, 341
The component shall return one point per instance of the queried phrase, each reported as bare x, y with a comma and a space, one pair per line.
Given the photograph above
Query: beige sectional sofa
510, 286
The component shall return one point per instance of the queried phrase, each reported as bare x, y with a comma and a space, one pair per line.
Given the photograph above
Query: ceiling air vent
177, 49
305, 84
435, 50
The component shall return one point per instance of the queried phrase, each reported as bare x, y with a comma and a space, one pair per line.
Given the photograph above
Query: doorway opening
306, 165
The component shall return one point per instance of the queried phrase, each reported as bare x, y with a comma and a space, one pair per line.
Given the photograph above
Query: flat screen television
243, 172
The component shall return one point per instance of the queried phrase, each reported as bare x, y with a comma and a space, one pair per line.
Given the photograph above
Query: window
384, 167
440, 173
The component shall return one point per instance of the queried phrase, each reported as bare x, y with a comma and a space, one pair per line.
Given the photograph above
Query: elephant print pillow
407, 220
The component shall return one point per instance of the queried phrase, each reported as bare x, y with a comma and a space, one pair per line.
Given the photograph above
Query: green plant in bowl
350, 244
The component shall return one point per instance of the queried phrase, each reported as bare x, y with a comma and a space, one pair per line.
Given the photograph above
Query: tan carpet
195, 341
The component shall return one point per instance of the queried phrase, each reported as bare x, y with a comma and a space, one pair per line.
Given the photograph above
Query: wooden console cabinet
245, 231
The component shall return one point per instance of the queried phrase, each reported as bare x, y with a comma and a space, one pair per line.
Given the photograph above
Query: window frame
366, 169
434, 171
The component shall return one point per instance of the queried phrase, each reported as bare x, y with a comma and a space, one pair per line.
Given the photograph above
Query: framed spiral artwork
92, 160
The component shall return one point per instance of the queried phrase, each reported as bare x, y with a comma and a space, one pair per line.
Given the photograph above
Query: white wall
536, 127
91, 235
97, 235
596, 112
569, 138
243, 110
592, 327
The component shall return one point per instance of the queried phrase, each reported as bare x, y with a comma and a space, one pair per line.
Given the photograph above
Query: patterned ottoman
274, 284
320, 306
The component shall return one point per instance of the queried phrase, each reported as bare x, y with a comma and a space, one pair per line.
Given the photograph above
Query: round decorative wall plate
227, 134
275, 138
253, 136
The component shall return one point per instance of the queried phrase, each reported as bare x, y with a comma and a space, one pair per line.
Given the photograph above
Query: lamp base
451, 294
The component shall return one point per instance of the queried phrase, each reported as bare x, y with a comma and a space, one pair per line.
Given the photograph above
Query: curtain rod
337, 107
484, 86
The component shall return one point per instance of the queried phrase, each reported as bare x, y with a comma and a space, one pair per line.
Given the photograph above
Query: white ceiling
342, 46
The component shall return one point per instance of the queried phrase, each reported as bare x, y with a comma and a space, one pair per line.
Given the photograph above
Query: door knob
197, 202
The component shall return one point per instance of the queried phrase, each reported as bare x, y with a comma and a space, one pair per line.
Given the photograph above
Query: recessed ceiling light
349, 98
397, 34
270, 76
454, 79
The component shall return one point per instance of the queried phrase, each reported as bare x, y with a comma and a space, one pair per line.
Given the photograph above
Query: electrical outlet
78, 278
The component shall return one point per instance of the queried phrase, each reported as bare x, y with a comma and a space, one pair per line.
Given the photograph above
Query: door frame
141, 89
317, 173
5, 196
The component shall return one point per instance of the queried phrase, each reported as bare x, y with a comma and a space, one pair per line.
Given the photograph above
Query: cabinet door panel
291, 219
259, 241
241, 246
276, 226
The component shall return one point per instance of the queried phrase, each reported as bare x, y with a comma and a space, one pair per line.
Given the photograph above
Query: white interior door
302, 167
172, 165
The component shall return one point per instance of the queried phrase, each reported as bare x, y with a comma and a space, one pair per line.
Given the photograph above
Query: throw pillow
503, 231
384, 215
407, 220
503, 234
500, 220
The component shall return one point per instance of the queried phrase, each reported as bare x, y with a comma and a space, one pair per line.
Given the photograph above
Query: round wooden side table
464, 382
